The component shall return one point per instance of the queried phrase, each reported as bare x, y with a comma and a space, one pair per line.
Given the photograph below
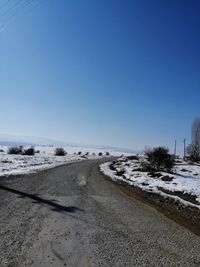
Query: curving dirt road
73, 216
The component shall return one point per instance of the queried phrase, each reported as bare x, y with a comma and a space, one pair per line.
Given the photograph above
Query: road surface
73, 216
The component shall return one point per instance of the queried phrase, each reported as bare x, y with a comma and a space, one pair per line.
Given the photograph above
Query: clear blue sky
121, 73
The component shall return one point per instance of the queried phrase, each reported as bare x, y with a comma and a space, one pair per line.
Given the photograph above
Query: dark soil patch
154, 174
138, 170
184, 196
6, 161
194, 163
167, 178
133, 157
120, 173
127, 164
144, 184
112, 167
117, 163
184, 170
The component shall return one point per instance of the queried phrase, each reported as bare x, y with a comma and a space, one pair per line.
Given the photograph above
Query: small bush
87, 153
79, 153
59, 151
37, 151
100, 154
158, 159
15, 150
1, 150
29, 151
107, 154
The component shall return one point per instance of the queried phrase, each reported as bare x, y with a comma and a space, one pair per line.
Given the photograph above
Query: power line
14, 9
4, 4
21, 9
11, 7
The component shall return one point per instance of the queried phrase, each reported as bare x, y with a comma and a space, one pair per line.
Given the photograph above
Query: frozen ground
18, 164
183, 185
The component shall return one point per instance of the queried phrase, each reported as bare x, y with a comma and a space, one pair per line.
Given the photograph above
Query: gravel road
72, 216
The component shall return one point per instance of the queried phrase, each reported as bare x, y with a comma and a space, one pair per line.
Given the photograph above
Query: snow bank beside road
20, 164
183, 185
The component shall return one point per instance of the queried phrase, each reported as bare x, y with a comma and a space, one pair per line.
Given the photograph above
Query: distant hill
27, 140
12, 140
10, 143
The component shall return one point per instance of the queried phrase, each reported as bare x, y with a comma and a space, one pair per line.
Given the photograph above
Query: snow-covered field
183, 185
19, 164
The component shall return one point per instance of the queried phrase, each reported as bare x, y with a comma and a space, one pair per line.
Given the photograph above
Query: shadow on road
37, 199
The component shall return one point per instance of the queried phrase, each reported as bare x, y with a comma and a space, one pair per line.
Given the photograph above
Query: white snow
185, 179
19, 164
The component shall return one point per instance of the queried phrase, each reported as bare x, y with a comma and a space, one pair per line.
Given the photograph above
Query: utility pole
184, 141
175, 149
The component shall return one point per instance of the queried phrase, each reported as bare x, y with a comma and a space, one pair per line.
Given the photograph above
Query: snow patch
20, 164
184, 180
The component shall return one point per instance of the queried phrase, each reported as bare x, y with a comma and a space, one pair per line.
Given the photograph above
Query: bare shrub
29, 151
158, 159
59, 151
15, 150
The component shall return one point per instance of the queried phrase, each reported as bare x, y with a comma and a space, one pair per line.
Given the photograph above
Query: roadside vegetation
21, 151
29, 151
158, 171
59, 151
15, 150
19, 159
158, 159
